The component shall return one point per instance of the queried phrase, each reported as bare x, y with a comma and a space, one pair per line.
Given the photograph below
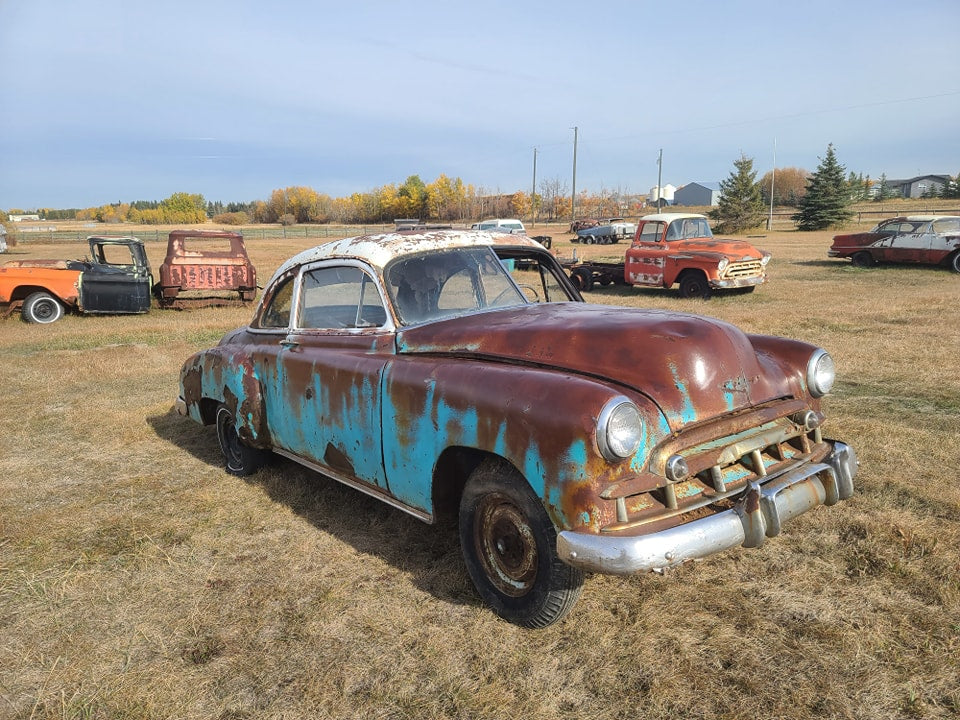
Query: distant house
918, 186
698, 193
21, 218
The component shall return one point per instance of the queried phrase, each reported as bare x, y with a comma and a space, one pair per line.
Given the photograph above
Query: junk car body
926, 239
205, 267
419, 369
114, 280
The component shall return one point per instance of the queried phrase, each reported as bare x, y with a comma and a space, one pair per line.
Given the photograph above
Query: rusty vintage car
114, 280
429, 371
924, 239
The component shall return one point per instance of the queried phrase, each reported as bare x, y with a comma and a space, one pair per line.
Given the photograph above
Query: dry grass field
139, 580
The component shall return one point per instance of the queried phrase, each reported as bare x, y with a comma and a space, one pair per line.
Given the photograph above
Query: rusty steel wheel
240, 458
509, 546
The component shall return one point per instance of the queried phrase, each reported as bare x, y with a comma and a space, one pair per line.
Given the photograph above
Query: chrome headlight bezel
722, 264
619, 429
821, 373
765, 259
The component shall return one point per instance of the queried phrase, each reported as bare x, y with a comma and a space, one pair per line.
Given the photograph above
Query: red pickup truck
678, 249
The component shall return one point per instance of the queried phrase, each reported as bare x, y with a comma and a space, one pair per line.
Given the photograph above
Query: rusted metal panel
192, 274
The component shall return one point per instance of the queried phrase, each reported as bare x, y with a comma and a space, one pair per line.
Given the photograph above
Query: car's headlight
765, 259
821, 373
722, 265
619, 429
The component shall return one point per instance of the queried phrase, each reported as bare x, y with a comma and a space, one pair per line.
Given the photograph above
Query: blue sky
120, 100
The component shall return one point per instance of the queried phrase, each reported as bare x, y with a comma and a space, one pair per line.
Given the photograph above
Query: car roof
670, 217
930, 218
378, 250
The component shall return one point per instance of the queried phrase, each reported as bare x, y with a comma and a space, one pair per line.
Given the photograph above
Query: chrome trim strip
366, 488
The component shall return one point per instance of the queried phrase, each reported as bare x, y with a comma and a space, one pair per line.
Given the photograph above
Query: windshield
689, 228
451, 282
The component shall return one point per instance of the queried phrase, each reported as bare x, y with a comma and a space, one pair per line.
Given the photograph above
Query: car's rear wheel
241, 459
955, 262
41, 307
693, 284
509, 546
862, 259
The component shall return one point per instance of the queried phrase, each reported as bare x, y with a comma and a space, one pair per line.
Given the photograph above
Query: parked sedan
927, 239
439, 373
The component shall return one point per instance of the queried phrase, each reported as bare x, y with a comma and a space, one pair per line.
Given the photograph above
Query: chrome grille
750, 268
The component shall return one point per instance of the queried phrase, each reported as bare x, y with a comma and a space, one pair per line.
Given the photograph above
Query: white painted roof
670, 217
379, 250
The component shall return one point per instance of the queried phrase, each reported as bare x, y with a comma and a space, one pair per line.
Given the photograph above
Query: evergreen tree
827, 202
741, 202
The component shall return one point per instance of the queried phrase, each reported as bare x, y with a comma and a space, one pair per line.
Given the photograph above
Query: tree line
743, 200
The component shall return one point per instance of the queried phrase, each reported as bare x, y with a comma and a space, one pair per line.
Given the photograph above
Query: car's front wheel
41, 307
509, 545
241, 459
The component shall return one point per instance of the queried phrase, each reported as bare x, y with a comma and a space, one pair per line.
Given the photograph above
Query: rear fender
228, 377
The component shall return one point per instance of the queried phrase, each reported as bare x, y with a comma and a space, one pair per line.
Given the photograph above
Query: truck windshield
689, 228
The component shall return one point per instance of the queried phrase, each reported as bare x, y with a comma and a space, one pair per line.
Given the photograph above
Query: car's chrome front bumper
759, 514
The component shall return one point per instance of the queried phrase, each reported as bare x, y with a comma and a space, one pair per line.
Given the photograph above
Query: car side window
651, 232
277, 312
339, 297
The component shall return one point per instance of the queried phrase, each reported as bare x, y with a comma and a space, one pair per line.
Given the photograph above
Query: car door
910, 243
323, 391
117, 281
645, 257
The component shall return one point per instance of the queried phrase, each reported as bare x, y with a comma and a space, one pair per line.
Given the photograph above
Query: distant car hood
692, 367
735, 250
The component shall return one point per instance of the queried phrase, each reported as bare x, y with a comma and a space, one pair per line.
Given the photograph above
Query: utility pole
660, 180
773, 176
533, 192
573, 197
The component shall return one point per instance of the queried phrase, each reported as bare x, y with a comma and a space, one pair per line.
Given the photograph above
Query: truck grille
750, 268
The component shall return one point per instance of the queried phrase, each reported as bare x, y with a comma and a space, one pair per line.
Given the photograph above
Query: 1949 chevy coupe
437, 372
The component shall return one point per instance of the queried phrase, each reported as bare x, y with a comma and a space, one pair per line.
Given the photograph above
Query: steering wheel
525, 288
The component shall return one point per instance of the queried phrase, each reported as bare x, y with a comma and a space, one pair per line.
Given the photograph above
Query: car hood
734, 250
692, 367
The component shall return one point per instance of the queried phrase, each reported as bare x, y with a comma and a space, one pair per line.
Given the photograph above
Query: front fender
541, 421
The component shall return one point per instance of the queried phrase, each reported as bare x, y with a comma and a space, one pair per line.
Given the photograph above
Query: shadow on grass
428, 554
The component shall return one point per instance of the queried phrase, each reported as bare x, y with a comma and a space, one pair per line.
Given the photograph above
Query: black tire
583, 279
42, 308
509, 545
955, 262
693, 284
862, 259
240, 459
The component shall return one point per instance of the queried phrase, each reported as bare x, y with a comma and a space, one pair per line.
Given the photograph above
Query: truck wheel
509, 546
241, 459
863, 259
583, 279
41, 307
955, 262
693, 284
